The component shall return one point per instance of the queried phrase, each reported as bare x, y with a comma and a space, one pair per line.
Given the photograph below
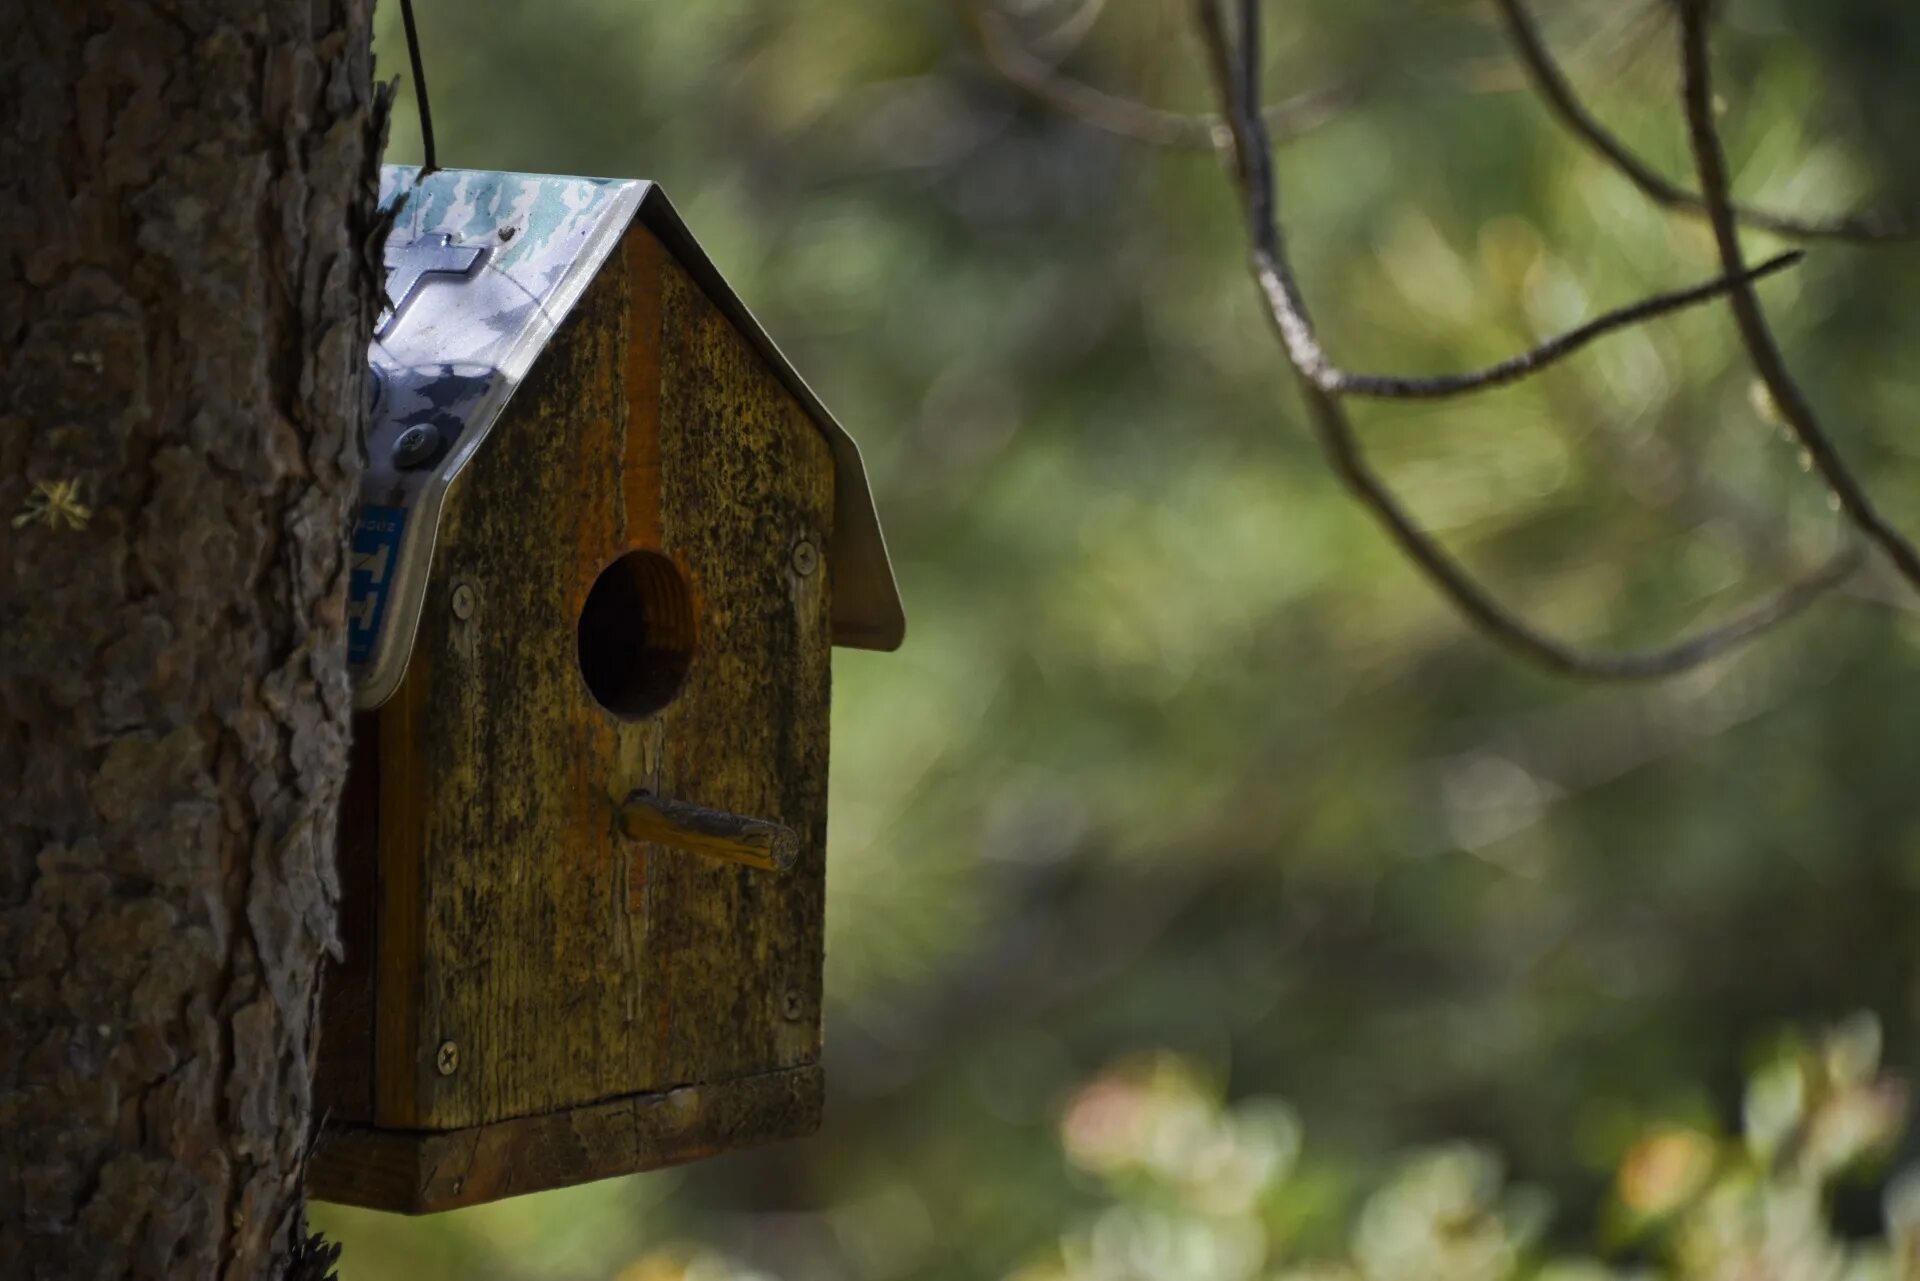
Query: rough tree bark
186, 201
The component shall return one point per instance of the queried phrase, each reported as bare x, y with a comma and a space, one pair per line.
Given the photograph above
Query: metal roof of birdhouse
523, 248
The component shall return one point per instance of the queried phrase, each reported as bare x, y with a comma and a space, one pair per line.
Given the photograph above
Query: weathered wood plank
401, 908
746, 504
523, 963
343, 1076
421, 1172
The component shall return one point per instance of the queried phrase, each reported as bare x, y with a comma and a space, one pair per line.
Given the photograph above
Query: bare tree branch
1313, 362
1125, 117
1238, 82
1563, 101
1514, 368
1794, 407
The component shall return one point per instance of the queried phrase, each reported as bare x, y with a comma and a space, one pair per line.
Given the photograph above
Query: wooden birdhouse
607, 540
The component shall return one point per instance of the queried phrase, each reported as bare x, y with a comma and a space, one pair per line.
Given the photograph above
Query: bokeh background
1199, 884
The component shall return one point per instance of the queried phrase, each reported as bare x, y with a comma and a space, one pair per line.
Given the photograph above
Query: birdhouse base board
424, 1171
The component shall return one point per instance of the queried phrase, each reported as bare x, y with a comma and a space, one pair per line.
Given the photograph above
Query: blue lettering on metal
376, 546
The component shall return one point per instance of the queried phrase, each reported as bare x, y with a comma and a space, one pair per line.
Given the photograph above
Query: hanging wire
419, 89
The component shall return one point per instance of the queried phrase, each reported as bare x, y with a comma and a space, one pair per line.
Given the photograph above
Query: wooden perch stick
756, 842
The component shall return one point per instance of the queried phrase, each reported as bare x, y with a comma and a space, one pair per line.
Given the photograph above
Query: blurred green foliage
1198, 1190
1180, 758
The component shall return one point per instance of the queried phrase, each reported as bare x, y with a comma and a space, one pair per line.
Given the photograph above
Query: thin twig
1563, 101
1239, 91
1514, 368
1337, 438
1127, 118
1794, 407
1693, 497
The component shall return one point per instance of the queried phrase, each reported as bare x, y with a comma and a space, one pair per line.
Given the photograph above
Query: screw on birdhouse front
416, 447
448, 1059
464, 601
806, 557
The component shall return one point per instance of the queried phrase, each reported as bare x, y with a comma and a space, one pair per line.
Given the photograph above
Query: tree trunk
186, 205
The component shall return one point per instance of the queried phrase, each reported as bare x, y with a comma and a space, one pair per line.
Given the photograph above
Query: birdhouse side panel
734, 954
510, 977
343, 1073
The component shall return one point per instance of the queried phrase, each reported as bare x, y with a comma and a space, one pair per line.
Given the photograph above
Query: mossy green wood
526, 957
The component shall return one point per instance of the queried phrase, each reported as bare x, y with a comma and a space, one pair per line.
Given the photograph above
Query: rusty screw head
806, 557
448, 1059
463, 601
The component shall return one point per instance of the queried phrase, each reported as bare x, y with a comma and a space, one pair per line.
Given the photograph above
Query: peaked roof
460, 354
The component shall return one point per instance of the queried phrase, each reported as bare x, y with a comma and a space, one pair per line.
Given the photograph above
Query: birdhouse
606, 542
